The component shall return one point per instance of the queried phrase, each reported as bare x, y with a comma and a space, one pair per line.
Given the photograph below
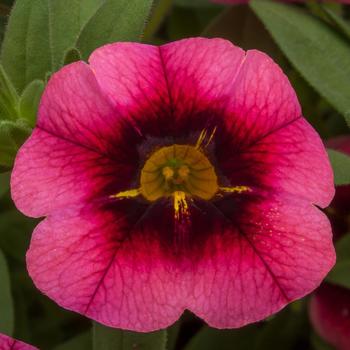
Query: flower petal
277, 250
160, 86
87, 261
142, 276
206, 83
7, 343
291, 159
76, 146
73, 107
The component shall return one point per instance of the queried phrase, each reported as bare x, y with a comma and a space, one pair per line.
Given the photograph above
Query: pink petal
206, 83
290, 159
249, 267
168, 83
330, 315
70, 157
128, 263
279, 250
90, 263
7, 343
266, 128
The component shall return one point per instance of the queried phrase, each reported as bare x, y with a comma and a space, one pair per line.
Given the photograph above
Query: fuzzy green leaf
29, 101
71, 55
38, 34
115, 20
8, 97
12, 136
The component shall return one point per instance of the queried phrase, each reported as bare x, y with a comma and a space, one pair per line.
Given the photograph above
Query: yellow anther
202, 137
183, 172
127, 194
168, 172
180, 204
211, 137
235, 189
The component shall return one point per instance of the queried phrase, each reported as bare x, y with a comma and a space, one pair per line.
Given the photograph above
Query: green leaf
240, 25
318, 343
2, 27
342, 25
73, 15
8, 97
4, 183
122, 20
105, 338
341, 167
15, 230
195, 3
71, 55
209, 338
25, 52
12, 136
173, 334
29, 101
160, 10
313, 47
6, 306
8, 147
342, 248
80, 342
38, 34
340, 274
284, 330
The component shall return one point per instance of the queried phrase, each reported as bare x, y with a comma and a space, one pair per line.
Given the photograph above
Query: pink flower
330, 315
174, 177
7, 343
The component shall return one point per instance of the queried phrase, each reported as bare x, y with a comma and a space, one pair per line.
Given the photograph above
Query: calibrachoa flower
330, 315
174, 177
7, 343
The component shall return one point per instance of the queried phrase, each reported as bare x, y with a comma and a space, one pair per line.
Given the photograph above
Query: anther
183, 172
168, 172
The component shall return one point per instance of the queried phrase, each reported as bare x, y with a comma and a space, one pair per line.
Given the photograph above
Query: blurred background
310, 41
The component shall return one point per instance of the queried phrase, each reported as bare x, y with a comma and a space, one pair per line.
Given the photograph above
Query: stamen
235, 189
180, 204
202, 136
211, 137
127, 194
